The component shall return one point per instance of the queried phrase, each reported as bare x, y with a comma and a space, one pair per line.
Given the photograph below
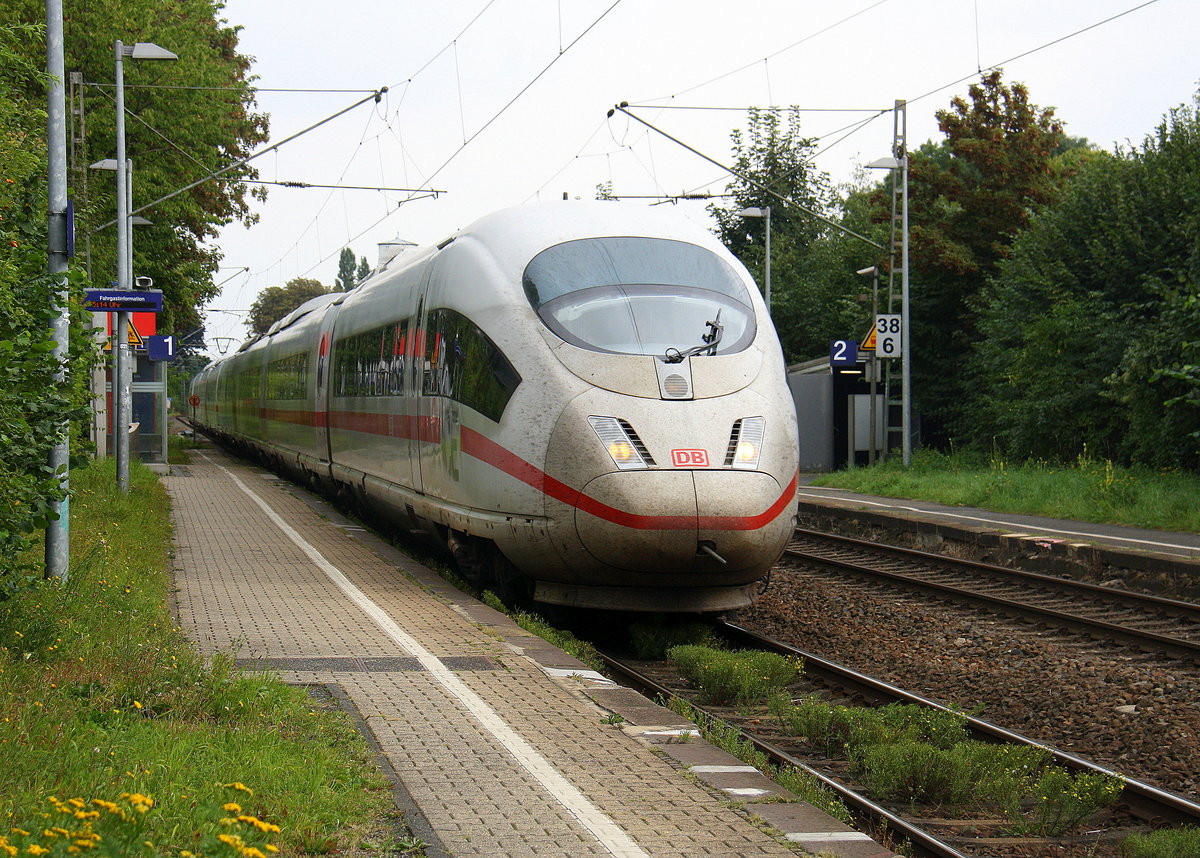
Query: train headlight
745, 443
623, 445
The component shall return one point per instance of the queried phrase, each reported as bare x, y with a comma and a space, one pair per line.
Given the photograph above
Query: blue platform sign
124, 300
160, 347
843, 354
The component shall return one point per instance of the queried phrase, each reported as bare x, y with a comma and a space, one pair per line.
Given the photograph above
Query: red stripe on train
489, 452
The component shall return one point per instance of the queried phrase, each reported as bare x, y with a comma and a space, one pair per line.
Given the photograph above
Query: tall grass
1087, 489
101, 696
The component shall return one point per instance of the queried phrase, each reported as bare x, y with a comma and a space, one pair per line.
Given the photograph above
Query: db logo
689, 458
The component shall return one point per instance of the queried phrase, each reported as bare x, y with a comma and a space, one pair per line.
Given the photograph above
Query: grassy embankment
115, 732
1088, 490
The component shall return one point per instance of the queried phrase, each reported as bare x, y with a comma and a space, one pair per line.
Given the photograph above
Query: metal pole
767, 275
121, 379
905, 320
874, 364
58, 532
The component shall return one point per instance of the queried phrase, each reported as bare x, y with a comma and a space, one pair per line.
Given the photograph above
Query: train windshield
638, 296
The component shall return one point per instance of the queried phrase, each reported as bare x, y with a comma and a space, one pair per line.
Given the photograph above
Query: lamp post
122, 374
765, 213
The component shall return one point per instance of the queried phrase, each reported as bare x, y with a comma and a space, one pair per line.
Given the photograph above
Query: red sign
193, 400
689, 458
141, 325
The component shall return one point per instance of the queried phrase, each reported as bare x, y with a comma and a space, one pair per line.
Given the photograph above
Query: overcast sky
496, 103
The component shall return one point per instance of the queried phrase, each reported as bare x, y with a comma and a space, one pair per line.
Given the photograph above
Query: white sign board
888, 327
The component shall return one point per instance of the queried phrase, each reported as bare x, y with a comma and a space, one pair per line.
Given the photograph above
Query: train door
440, 411
321, 385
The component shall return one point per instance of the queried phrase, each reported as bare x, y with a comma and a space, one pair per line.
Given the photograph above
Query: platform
500, 744
1057, 544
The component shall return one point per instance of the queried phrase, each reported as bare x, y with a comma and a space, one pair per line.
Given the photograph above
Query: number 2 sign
843, 353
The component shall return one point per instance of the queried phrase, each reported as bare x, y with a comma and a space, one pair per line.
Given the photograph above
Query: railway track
1142, 800
1149, 623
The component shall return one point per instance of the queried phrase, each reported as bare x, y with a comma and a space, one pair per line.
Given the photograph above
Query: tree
813, 288
1089, 326
275, 302
969, 196
32, 403
184, 119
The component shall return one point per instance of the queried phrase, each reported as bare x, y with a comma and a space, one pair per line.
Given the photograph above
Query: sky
495, 103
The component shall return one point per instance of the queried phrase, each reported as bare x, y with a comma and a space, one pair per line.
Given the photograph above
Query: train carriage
584, 400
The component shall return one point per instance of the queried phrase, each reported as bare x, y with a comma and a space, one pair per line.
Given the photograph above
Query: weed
735, 677
652, 638
1165, 843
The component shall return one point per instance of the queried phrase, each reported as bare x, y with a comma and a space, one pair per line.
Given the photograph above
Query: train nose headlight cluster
622, 443
745, 443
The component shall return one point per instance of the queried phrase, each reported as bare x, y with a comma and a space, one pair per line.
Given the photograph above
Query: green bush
833, 728
1061, 800
967, 774
1165, 843
735, 677
653, 638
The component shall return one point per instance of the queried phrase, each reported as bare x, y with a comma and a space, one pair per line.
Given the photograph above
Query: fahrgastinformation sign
124, 300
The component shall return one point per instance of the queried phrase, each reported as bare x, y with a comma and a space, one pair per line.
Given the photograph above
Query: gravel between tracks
1136, 714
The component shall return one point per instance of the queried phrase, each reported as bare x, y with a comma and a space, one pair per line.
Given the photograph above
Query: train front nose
723, 525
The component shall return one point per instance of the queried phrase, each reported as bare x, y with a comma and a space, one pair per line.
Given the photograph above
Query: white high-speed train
586, 401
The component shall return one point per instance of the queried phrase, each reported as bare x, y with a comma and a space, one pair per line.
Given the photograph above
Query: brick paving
499, 757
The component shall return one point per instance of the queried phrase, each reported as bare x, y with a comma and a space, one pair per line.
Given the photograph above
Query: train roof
513, 236
522, 232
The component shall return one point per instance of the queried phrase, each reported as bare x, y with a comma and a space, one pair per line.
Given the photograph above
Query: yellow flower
34, 849
141, 803
241, 786
232, 807
265, 827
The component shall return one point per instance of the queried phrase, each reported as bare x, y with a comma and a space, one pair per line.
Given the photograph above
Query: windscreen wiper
709, 343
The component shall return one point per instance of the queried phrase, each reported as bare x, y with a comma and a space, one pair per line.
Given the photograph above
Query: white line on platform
607, 832
826, 836
723, 770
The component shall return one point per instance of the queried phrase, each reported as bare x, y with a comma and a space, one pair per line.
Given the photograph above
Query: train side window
373, 362
463, 364
287, 377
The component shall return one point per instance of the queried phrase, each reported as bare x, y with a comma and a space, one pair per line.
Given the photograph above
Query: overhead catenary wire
623, 108
373, 97
854, 127
429, 178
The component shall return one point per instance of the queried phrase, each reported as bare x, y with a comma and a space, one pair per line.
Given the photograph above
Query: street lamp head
866, 272
106, 164
888, 163
753, 211
147, 51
